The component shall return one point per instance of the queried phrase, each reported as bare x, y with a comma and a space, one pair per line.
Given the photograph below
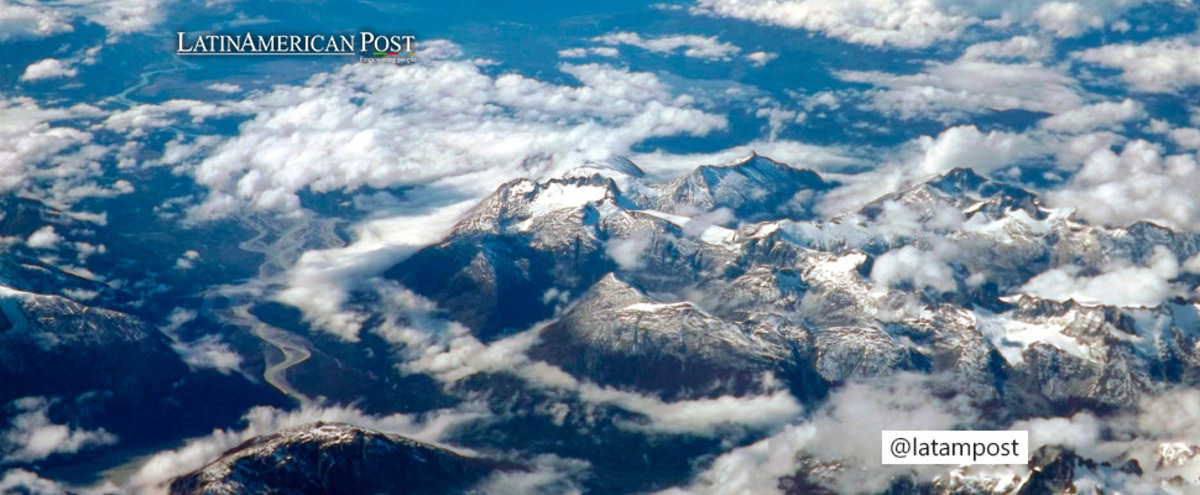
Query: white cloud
49, 68
917, 23
1066, 19
778, 119
850, 424
43, 158
909, 24
1119, 284
548, 474
1017, 47
1080, 433
753, 469
88, 57
29, 144
1192, 265
950, 91
1069, 19
1071, 152
922, 269
1187, 138
846, 431
761, 58
44, 238
187, 261
84, 250
1138, 184
627, 251
176, 319
699, 416
1106, 115
208, 352
320, 281
699, 224
604, 51
1160, 66
436, 121
119, 17
449, 352
446, 350
600, 51
1174, 415
793, 153
359, 127
137, 120
694, 46
225, 87
32, 437
898, 221
577, 52
22, 481
1161, 425
18, 21
927, 156
80, 294
967, 147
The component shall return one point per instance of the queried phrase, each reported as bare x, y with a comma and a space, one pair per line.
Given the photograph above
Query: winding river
281, 241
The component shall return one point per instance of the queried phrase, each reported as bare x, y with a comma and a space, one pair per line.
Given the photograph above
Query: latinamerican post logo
365, 44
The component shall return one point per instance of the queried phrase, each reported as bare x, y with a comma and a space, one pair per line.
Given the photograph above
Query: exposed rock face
723, 282
666, 300
51, 345
616, 335
755, 189
327, 458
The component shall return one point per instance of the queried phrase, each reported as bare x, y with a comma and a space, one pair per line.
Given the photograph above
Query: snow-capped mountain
616, 335
335, 458
756, 189
721, 283
649, 284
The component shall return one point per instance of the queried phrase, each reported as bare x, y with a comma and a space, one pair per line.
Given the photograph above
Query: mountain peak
321, 455
958, 180
965, 190
762, 168
521, 201
620, 165
755, 188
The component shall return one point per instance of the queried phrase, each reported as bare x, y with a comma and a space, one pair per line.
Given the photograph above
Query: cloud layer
919, 23
373, 125
33, 437
1139, 183
705, 47
20, 21
1160, 66
869, 22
